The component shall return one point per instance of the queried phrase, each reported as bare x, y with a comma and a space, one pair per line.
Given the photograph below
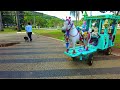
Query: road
44, 59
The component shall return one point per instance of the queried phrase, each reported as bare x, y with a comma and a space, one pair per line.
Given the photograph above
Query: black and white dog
26, 39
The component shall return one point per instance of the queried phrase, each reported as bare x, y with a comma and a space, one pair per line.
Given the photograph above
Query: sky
63, 14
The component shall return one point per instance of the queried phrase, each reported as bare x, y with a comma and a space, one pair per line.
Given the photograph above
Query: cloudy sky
63, 14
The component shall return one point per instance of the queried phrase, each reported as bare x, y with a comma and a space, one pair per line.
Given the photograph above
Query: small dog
26, 39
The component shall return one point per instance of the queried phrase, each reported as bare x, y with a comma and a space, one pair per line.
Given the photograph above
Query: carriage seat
94, 37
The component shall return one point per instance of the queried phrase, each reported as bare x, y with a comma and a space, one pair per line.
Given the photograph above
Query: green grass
8, 30
59, 35
117, 39
50, 33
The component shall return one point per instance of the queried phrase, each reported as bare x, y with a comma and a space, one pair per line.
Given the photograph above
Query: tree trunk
90, 13
1, 25
18, 21
76, 17
118, 12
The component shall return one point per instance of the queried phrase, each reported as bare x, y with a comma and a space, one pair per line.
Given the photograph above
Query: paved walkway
43, 58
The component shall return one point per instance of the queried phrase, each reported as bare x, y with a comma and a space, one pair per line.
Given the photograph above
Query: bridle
71, 27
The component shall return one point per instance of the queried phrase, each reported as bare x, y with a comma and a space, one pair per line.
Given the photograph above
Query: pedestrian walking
28, 29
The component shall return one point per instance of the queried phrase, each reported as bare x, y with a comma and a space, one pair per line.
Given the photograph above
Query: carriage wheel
90, 60
78, 42
109, 51
74, 58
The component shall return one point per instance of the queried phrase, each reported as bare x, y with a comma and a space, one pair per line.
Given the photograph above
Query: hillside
41, 19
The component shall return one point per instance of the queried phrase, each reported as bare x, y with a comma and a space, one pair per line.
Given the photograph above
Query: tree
76, 14
7, 17
1, 27
21, 17
43, 20
18, 21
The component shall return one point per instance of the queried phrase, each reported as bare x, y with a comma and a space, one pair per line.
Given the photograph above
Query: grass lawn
50, 33
8, 30
117, 39
59, 35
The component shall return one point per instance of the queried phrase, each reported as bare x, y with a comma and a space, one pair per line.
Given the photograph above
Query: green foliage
80, 22
35, 18
7, 17
42, 20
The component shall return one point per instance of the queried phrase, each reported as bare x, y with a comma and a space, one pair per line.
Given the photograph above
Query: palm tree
1, 26
76, 14
90, 13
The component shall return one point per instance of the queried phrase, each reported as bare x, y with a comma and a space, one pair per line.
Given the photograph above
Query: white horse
71, 35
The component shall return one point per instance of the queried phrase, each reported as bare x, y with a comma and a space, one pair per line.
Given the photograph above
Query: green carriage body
105, 40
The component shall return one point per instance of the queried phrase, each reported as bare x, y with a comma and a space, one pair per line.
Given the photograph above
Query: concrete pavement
44, 59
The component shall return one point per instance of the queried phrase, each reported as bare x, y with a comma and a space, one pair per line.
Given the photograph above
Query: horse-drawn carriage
98, 34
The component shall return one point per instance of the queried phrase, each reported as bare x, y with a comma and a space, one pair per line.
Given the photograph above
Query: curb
24, 32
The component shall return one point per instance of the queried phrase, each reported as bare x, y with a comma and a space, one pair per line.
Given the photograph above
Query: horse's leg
74, 47
67, 44
85, 44
88, 40
71, 44
74, 43
81, 39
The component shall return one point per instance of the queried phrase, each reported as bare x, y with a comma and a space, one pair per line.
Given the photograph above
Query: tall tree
76, 14
18, 21
21, 18
7, 17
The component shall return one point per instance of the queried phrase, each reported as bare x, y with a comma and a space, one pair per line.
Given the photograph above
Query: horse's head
68, 24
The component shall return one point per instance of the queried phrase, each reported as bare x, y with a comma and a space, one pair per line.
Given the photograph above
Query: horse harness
71, 27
